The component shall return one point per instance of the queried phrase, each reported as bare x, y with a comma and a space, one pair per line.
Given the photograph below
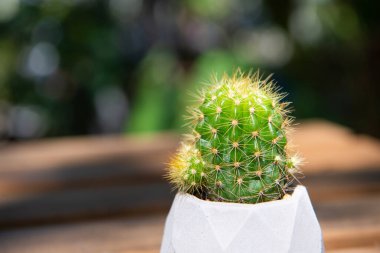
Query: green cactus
237, 148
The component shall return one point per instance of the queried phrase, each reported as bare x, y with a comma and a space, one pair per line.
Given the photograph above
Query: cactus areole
236, 149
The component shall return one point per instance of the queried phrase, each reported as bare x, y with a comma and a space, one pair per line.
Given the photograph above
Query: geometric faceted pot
198, 226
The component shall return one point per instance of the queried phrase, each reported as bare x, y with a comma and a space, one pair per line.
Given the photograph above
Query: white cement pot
197, 226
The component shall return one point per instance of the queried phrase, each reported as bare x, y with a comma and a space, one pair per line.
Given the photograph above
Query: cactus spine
237, 148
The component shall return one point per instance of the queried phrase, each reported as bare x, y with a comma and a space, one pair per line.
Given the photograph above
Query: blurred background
92, 94
80, 67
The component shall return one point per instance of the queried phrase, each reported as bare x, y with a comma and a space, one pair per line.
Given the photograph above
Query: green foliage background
87, 67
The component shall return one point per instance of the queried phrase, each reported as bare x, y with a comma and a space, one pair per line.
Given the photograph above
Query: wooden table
107, 195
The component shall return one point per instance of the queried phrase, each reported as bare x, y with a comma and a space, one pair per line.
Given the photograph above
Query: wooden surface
106, 194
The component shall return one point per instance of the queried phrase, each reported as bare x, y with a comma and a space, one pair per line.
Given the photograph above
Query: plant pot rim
298, 191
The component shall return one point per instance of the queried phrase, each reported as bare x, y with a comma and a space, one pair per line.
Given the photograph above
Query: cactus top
237, 147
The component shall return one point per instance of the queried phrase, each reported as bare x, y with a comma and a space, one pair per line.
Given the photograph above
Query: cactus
237, 147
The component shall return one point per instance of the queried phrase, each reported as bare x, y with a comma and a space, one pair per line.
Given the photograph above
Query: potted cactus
234, 173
